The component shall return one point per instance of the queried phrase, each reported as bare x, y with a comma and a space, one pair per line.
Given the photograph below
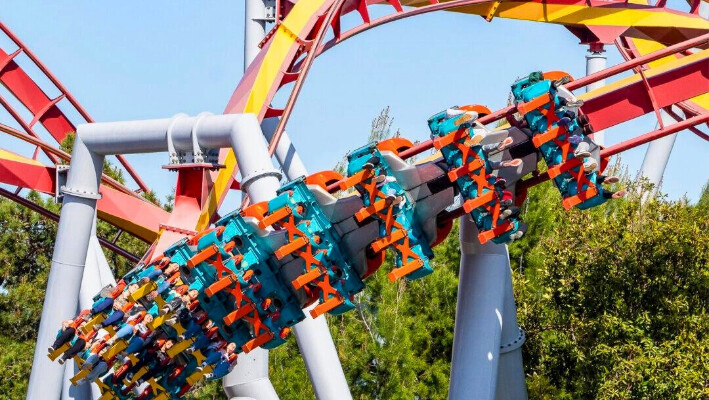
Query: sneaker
371, 163
468, 116
582, 150
575, 139
474, 140
521, 230
512, 163
619, 194
510, 212
560, 82
589, 164
611, 179
564, 121
505, 143
573, 104
453, 112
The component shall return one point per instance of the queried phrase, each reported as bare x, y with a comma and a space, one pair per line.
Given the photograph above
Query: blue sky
136, 60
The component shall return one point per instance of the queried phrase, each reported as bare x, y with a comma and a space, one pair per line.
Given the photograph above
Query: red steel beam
654, 135
628, 65
14, 114
55, 217
54, 152
45, 110
585, 81
694, 129
134, 215
119, 205
631, 101
33, 176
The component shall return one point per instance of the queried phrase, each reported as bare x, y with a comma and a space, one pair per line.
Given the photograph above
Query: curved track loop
45, 110
292, 45
296, 34
120, 205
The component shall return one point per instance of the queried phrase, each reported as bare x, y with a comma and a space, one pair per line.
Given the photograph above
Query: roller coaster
212, 289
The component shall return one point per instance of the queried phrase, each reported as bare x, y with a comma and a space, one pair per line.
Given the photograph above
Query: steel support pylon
487, 355
657, 156
313, 336
596, 61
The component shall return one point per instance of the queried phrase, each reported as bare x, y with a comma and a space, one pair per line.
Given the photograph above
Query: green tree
614, 300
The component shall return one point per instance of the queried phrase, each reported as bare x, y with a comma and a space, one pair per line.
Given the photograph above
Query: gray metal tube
657, 157
484, 283
286, 155
90, 285
93, 142
67, 267
511, 383
249, 379
596, 61
313, 335
254, 28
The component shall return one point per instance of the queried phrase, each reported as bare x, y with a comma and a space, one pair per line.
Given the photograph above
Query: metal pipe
480, 323
658, 152
249, 379
657, 156
313, 335
595, 62
619, 148
54, 217
90, 285
133, 174
286, 155
511, 384
254, 29
93, 142
581, 82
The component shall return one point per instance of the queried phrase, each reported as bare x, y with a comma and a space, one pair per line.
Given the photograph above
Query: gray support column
313, 335
596, 61
254, 28
90, 285
249, 379
485, 320
93, 142
250, 376
286, 155
657, 156
66, 271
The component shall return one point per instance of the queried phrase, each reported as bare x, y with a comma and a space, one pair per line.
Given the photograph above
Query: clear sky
134, 60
